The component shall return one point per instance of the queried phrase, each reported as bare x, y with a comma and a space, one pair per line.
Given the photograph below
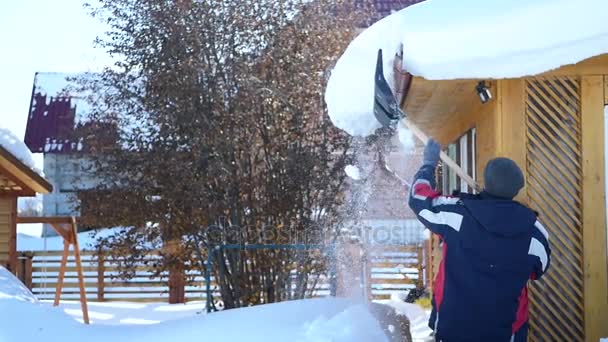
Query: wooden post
83, 295
29, 267
513, 122
428, 268
420, 281
606, 90
12, 241
24, 269
101, 267
64, 261
595, 286
177, 288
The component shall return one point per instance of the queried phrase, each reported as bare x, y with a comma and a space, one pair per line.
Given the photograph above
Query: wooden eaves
26, 181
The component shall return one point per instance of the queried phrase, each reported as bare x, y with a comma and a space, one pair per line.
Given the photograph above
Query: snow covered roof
386, 7
19, 179
17, 148
18, 172
465, 39
445, 39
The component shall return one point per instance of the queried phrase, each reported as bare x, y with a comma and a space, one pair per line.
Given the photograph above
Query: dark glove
431, 153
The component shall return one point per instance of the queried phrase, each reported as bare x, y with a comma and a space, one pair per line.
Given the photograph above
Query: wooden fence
393, 269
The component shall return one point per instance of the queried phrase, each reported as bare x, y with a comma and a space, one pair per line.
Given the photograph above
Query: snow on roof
17, 148
52, 83
446, 39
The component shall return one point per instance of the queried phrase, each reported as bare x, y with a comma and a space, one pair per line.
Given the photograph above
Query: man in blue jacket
492, 246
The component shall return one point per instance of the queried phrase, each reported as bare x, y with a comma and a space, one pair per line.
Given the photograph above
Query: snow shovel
388, 113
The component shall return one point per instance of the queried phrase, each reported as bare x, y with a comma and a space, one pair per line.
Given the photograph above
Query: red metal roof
386, 7
51, 121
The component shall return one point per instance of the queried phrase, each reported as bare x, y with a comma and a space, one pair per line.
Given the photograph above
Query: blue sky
42, 35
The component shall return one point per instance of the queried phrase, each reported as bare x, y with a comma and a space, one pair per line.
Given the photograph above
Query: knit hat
503, 178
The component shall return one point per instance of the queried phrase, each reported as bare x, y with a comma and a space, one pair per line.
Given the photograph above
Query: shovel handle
449, 162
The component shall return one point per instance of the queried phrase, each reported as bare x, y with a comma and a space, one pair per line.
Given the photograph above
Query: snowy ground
131, 313
23, 318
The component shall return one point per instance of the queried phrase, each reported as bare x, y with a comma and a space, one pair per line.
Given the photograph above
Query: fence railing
392, 269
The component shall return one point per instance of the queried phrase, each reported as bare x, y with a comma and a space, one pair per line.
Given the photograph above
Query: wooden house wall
8, 211
553, 127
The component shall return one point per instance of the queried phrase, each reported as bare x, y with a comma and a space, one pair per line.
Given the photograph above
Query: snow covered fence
393, 269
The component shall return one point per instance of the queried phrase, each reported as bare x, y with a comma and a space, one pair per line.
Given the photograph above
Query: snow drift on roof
16, 147
446, 39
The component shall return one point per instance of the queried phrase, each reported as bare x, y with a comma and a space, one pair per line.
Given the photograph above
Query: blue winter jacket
491, 248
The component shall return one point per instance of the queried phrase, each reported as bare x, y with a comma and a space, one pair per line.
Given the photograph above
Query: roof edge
33, 180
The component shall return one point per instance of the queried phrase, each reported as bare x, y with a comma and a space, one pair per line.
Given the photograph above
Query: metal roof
51, 119
386, 7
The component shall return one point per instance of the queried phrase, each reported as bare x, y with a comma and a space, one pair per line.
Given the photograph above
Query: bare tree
219, 126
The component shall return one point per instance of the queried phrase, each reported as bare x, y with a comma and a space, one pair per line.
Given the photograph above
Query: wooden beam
595, 287
12, 242
606, 90
446, 109
64, 262
63, 232
594, 66
83, 294
11, 177
45, 219
489, 133
513, 126
20, 193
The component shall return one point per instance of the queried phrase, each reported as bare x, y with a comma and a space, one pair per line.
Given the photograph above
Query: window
463, 151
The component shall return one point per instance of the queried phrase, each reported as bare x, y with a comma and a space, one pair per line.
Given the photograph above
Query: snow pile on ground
13, 289
29, 229
86, 240
315, 320
17, 148
131, 313
446, 39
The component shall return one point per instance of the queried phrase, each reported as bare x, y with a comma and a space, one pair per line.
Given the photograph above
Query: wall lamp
483, 91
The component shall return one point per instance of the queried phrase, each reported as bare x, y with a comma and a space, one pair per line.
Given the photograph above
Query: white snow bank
30, 229
353, 172
13, 289
446, 39
129, 313
86, 240
17, 148
315, 320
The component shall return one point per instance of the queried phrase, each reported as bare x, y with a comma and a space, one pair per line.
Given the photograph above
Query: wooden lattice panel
554, 189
